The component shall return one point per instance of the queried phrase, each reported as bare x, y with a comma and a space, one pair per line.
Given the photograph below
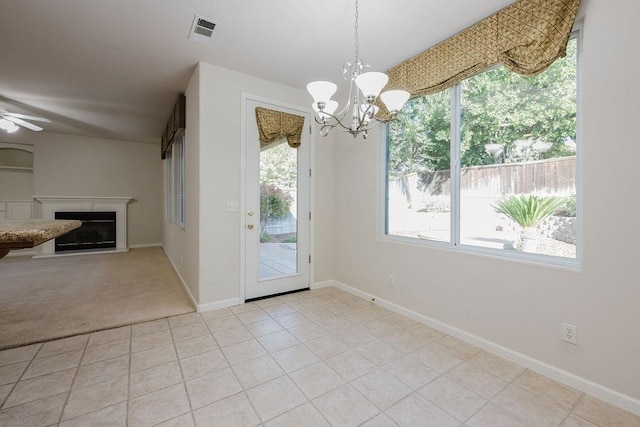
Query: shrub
266, 238
274, 204
569, 208
528, 210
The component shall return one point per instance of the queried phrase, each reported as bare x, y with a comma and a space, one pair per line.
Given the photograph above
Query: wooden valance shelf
176, 124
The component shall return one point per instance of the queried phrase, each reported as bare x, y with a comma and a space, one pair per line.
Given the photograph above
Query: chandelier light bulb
330, 107
321, 91
394, 100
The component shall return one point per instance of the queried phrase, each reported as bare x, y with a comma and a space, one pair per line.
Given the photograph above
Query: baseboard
606, 394
146, 245
184, 284
324, 284
21, 253
80, 253
219, 304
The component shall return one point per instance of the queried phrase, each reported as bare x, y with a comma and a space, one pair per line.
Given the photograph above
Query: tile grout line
184, 381
244, 391
126, 413
66, 401
20, 378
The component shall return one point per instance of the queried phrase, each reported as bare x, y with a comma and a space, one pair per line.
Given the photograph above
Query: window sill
568, 264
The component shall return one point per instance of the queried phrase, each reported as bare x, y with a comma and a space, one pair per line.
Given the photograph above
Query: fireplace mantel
53, 204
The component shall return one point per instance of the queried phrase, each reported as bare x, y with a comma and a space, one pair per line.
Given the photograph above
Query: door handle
250, 226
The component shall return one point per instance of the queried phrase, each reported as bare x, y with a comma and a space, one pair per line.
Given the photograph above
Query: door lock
250, 213
250, 226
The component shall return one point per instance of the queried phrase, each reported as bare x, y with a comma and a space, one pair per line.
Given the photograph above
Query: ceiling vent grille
202, 29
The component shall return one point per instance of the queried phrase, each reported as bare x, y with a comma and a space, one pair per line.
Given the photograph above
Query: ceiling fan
11, 122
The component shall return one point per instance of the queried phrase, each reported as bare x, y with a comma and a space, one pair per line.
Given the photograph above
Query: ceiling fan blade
24, 116
23, 123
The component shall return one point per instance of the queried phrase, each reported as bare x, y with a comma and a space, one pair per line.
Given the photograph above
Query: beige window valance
526, 37
274, 125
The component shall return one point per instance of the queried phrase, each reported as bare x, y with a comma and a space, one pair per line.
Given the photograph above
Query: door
277, 214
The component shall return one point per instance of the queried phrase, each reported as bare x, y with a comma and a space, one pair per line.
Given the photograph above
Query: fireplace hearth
98, 231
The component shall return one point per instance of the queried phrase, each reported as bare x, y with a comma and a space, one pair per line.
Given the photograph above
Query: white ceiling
113, 68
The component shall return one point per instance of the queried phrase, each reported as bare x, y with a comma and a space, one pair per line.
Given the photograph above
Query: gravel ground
549, 246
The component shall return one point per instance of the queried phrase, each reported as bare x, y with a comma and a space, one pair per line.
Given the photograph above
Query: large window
490, 164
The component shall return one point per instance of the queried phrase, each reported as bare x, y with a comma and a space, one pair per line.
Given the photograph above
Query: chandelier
358, 116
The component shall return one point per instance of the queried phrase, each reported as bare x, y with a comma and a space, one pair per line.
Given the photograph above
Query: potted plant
528, 211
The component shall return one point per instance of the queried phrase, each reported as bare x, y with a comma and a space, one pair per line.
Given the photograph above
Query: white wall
69, 165
517, 305
214, 125
16, 184
182, 244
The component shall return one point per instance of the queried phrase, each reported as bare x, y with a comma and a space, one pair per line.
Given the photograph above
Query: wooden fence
552, 176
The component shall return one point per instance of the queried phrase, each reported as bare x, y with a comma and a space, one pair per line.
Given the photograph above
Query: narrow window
179, 178
168, 176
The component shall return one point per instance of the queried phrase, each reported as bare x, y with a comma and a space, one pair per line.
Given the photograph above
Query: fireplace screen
98, 231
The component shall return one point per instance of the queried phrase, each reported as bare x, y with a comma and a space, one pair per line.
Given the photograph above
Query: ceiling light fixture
359, 114
8, 126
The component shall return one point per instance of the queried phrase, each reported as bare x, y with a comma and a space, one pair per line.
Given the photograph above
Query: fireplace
98, 231
53, 206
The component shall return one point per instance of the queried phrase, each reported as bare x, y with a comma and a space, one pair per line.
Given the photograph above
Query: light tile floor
314, 358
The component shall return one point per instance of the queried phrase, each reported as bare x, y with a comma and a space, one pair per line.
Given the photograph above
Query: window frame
454, 245
179, 181
168, 180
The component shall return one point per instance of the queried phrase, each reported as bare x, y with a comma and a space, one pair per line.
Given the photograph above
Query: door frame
243, 168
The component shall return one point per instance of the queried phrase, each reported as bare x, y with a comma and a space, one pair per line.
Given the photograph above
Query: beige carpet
47, 298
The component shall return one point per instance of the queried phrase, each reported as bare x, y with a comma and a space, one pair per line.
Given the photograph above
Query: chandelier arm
336, 123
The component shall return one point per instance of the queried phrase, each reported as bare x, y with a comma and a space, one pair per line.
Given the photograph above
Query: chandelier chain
356, 36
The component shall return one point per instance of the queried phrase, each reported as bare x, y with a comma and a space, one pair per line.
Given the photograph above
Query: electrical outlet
391, 280
570, 333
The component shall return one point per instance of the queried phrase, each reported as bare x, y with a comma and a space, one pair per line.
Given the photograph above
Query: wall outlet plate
391, 280
570, 333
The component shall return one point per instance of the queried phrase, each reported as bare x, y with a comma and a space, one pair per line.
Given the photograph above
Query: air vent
202, 29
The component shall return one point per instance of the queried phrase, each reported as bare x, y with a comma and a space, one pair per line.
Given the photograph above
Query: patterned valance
274, 125
526, 37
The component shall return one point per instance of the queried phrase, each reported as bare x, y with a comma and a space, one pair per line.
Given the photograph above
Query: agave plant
528, 211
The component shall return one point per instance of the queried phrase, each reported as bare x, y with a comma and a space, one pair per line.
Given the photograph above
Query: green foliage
274, 204
528, 210
569, 207
498, 106
279, 166
290, 239
266, 237
421, 135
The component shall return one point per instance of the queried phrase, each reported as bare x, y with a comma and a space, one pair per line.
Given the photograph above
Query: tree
421, 135
279, 166
274, 204
498, 106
